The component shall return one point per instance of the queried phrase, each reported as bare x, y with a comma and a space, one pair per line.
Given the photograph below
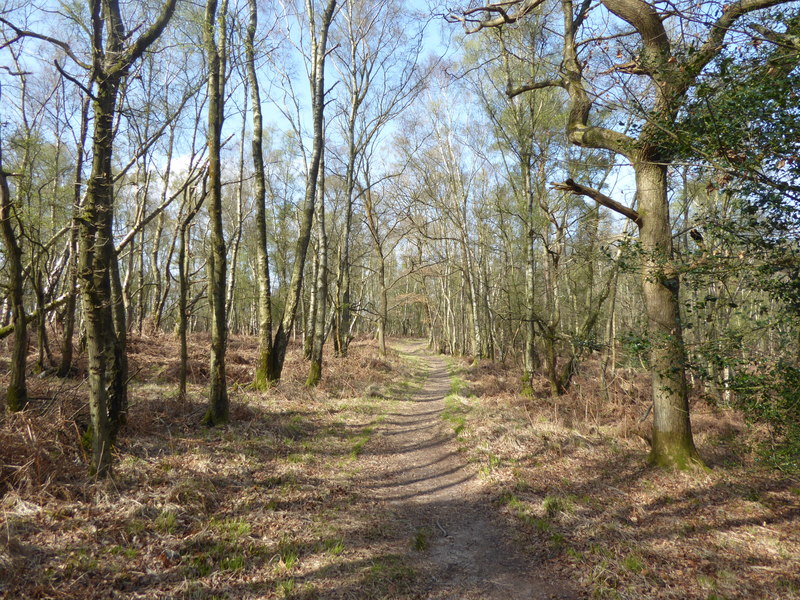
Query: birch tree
319, 25
215, 42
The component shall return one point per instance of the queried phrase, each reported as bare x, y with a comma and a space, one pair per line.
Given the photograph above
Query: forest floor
410, 477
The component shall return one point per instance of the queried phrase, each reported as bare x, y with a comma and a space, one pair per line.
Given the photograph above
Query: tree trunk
383, 315
43, 352
188, 213
65, 366
96, 255
155, 271
96, 236
319, 51
183, 309
17, 392
311, 316
118, 392
262, 272
472, 293
318, 342
531, 358
349, 185
673, 445
237, 236
218, 409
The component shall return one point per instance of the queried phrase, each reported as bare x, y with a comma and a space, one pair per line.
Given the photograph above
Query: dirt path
438, 503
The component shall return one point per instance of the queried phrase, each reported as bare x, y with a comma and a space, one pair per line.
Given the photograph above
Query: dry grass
570, 473
260, 508
269, 506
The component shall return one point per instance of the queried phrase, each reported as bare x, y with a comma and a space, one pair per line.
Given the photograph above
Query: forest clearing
413, 476
385, 299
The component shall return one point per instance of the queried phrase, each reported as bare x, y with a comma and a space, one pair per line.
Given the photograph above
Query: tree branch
46, 38
136, 49
74, 80
713, 45
580, 190
9, 329
512, 91
646, 20
474, 24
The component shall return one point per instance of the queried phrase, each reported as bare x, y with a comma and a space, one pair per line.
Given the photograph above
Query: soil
441, 503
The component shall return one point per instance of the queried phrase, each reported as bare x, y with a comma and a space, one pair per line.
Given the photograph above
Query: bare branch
512, 91
580, 190
46, 38
713, 45
630, 68
74, 80
148, 37
473, 24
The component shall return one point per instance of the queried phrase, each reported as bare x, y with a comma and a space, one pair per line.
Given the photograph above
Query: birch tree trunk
262, 269
319, 52
318, 341
215, 24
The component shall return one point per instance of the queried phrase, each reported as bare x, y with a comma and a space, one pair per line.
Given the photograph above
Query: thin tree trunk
118, 394
65, 365
237, 236
218, 405
472, 292
531, 358
183, 284
155, 271
43, 357
311, 316
349, 182
318, 342
383, 316
281, 341
183, 309
262, 271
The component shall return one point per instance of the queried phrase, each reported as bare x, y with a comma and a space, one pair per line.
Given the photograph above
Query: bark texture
111, 62
259, 192
218, 405
317, 81
17, 391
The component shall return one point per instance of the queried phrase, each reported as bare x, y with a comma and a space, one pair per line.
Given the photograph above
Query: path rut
464, 552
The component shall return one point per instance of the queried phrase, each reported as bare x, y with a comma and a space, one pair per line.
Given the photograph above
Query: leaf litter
279, 504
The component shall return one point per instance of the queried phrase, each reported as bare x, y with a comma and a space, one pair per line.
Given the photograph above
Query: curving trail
435, 497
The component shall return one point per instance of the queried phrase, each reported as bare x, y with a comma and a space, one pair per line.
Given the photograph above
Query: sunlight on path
437, 498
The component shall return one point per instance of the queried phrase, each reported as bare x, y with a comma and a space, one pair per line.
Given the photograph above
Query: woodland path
431, 492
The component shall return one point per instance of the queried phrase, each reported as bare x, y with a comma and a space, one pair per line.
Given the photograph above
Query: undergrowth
569, 475
261, 507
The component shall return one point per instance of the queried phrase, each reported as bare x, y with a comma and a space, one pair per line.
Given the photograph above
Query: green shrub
771, 395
